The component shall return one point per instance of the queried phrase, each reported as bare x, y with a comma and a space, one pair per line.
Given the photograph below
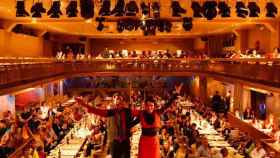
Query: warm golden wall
98, 45
262, 35
19, 45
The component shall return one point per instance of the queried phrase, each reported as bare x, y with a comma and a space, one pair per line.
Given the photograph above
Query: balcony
15, 72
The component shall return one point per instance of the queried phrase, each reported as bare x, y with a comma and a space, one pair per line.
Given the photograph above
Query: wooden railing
264, 71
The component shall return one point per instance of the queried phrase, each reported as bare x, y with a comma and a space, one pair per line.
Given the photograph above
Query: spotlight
105, 8
271, 10
241, 9
187, 23
254, 9
120, 26
71, 9
119, 9
177, 10
156, 9
160, 25
167, 26
100, 25
37, 9
55, 11
145, 9
224, 9
209, 9
87, 8
20, 9
131, 8
197, 9
129, 24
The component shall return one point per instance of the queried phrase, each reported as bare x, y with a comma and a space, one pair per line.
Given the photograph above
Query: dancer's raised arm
96, 111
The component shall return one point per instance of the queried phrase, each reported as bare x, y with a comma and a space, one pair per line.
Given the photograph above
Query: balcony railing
264, 71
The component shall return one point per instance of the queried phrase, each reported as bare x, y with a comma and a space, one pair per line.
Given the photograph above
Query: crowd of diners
43, 127
179, 136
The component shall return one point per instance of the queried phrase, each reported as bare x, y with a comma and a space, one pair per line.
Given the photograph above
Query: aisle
135, 138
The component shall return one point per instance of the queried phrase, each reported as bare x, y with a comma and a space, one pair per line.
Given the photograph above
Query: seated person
248, 114
8, 142
258, 151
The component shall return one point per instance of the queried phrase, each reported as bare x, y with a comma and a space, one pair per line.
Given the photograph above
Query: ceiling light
187, 23
271, 10
209, 9
197, 9
224, 9
120, 26
241, 9
119, 9
100, 25
131, 8
167, 26
37, 9
145, 9
20, 9
71, 9
160, 25
156, 9
87, 9
177, 10
254, 9
105, 8
55, 11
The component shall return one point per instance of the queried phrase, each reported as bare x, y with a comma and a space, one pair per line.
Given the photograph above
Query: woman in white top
258, 151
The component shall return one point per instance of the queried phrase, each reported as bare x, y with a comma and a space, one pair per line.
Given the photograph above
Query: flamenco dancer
124, 122
149, 146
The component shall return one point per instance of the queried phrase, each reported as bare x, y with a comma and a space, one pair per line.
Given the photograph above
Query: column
237, 97
203, 88
88, 46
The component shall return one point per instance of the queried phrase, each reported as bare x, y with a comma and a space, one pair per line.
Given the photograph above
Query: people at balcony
248, 114
70, 55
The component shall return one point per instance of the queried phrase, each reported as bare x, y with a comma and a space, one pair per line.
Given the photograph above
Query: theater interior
84, 79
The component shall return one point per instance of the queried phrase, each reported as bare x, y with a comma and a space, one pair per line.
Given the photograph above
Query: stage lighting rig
210, 9
167, 26
254, 9
187, 23
120, 26
177, 10
241, 9
145, 9
100, 25
271, 10
105, 8
55, 11
20, 9
131, 8
156, 9
119, 9
224, 9
71, 9
87, 8
197, 9
37, 9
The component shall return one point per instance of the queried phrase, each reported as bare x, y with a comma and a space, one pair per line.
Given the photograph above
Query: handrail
19, 149
22, 60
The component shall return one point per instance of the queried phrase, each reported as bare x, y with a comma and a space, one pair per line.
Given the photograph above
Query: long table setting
215, 139
73, 142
